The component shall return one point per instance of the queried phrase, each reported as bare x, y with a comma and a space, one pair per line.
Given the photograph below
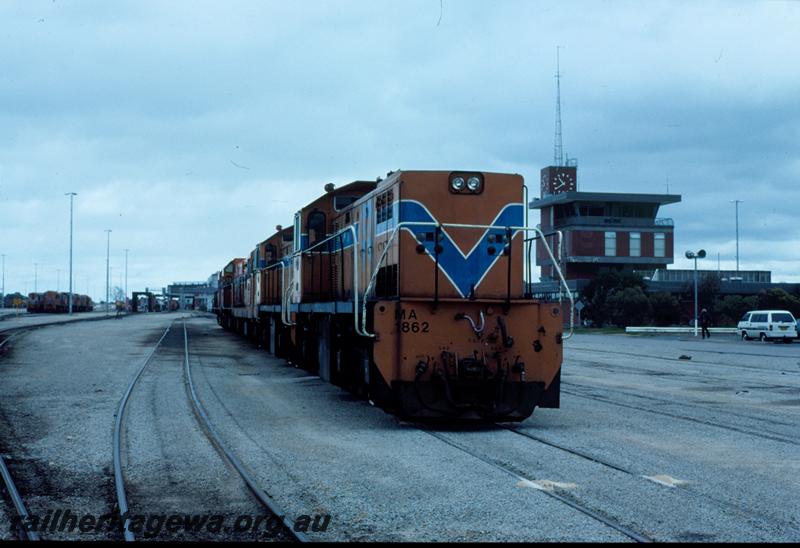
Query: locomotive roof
289, 228
361, 187
392, 176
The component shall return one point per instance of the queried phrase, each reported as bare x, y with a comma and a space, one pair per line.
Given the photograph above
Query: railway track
119, 480
661, 401
615, 525
728, 506
771, 437
23, 516
5, 338
21, 510
207, 428
701, 362
226, 452
18, 503
685, 488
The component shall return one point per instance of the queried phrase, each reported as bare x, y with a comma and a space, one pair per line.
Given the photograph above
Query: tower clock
558, 179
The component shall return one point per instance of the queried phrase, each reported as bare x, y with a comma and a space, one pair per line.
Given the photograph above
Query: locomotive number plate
408, 322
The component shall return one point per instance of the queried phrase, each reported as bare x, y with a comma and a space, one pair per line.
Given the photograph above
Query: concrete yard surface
647, 444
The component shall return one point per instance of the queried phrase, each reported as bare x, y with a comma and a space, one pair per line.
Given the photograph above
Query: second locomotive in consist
408, 291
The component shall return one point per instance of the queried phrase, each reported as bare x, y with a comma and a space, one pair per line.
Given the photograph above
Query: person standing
705, 321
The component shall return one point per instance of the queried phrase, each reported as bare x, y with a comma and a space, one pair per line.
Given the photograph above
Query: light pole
737, 202
126, 278
108, 273
35, 277
3, 294
692, 255
58, 279
71, 197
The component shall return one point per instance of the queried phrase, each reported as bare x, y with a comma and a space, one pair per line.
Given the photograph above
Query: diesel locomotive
408, 291
54, 302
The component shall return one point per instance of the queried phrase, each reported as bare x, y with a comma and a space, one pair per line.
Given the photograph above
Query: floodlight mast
71, 196
692, 255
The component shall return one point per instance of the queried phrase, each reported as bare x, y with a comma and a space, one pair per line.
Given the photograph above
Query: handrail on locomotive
301, 252
515, 229
360, 327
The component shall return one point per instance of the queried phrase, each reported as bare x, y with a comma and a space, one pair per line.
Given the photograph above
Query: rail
213, 436
439, 226
119, 481
19, 504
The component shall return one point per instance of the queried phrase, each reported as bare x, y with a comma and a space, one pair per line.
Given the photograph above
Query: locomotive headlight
457, 183
473, 183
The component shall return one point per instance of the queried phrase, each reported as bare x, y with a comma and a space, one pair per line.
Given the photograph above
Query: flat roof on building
569, 197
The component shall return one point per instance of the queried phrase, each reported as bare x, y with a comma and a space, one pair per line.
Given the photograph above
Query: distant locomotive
53, 302
408, 291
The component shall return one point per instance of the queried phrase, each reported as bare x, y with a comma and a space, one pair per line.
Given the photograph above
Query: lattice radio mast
558, 153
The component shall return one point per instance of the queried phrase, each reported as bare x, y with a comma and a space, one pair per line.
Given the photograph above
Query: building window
636, 244
659, 248
611, 244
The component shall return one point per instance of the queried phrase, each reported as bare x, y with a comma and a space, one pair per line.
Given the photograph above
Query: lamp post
108, 273
58, 279
35, 277
126, 278
71, 197
692, 255
3, 294
737, 202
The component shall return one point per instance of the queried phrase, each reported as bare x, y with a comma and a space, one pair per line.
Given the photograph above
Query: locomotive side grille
386, 282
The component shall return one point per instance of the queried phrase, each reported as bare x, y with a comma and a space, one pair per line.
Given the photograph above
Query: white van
768, 325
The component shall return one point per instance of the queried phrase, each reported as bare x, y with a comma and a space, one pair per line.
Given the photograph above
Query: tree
729, 309
708, 286
117, 294
629, 306
778, 299
665, 308
595, 295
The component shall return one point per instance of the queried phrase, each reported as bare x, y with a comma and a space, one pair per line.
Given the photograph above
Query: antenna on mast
558, 154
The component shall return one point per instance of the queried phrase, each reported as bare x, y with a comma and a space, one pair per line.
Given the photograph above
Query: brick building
600, 231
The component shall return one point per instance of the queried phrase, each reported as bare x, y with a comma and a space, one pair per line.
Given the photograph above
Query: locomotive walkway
645, 447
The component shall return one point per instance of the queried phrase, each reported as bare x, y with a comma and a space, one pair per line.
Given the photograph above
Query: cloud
147, 110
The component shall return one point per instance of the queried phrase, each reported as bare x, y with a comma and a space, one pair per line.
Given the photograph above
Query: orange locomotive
408, 291
55, 302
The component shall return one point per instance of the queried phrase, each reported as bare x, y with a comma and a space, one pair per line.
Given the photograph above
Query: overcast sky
191, 129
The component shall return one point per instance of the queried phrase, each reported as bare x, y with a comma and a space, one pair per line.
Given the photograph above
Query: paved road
671, 449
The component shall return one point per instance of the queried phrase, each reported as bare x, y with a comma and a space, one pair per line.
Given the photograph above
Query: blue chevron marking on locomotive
463, 270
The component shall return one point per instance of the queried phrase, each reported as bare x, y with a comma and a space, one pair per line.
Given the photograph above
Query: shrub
729, 309
597, 292
665, 308
779, 299
628, 306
